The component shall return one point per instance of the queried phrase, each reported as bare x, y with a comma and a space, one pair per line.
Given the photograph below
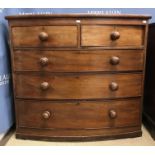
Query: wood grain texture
58, 36
92, 86
98, 35
78, 115
73, 21
124, 16
78, 135
66, 87
78, 61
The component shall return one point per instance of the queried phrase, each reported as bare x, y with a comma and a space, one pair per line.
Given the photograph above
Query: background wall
6, 106
6, 102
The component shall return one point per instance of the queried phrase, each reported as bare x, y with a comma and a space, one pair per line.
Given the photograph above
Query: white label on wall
32, 13
4, 79
110, 12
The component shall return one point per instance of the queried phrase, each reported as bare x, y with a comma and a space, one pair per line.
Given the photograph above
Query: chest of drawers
78, 77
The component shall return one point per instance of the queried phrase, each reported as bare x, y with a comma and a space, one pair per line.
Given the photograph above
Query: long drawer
44, 36
78, 61
78, 115
77, 86
112, 35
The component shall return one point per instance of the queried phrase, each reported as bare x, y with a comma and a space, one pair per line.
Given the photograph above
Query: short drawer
78, 61
112, 36
77, 86
78, 115
44, 36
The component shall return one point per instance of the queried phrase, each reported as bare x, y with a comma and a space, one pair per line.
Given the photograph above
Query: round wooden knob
115, 35
46, 114
43, 36
112, 114
44, 85
113, 86
114, 60
44, 61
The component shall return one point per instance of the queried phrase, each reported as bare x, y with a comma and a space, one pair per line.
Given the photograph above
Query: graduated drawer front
78, 115
45, 36
78, 61
112, 36
77, 86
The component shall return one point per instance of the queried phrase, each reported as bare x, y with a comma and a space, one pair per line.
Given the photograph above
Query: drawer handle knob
112, 114
113, 86
46, 114
114, 60
44, 85
43, 36
115, 35
44, 61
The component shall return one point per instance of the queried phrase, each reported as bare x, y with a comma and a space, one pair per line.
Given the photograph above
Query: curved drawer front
45, 36
112, 36
81, 115
78, 61
77, 86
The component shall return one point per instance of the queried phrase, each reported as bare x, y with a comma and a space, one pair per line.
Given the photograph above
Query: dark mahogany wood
99, 35
123, 16
56, 36
78, 61
79, 114
149, 98
78, 135
78, 77
77, 86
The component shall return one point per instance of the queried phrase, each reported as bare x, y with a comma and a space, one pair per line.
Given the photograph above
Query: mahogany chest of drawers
78, 76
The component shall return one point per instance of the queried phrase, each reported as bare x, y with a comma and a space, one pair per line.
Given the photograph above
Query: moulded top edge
135, 16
